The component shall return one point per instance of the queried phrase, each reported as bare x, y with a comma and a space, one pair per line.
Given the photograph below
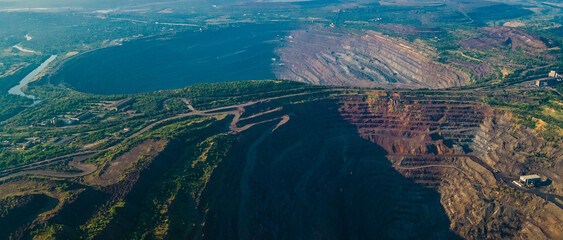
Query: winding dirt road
553, 198
76, 162
76, 159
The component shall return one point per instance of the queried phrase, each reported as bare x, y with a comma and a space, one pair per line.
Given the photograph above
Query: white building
530, 179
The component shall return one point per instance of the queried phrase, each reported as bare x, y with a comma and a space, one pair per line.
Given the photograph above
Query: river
17, 90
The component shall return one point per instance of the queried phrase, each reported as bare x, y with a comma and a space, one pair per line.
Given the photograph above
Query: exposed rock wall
435, 142
482, 208
518, 150
404, 123
376, 164
331, 171
322, 56
315, 178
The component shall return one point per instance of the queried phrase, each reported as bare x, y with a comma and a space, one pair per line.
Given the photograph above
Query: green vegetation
559, 87
182, 130
159, 198
11, 202
511, 192
12, 208
104, 128
498, 12
100, 221
16, 158
10, 105
194, 163
162, 218
13, 79
203, 138
207, 96
187, 179
540, 110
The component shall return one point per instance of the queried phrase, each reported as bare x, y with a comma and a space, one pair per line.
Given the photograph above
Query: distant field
235, 53
498, 12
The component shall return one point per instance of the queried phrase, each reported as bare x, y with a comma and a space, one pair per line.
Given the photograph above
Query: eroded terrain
312, 165
370, 59
468, 108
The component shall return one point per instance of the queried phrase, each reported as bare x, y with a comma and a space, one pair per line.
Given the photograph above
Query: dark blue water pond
228, 54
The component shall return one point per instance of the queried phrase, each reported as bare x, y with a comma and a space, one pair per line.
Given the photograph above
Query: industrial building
530, 179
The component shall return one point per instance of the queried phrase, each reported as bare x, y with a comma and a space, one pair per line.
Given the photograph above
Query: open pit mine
322, 56
321, 163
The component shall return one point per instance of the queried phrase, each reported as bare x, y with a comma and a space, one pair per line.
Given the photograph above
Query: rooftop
534, 176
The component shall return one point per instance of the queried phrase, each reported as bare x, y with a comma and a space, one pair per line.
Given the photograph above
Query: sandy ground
24, 49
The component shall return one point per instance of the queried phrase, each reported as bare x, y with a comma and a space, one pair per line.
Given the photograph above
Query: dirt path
427, 166
30, 169
262, 113
236, 118
216, 111
533, 69
143, 130
45, 162
555, 91
553, 198
468, 57
85, 168
283, 120
187, 102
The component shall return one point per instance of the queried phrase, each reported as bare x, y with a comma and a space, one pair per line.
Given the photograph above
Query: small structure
121, 104
530, 179
553, 74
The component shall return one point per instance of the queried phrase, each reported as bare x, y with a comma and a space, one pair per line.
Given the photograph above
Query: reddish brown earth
315, 177
411, 30
392, 164
505, 37
479, 70
434, 140
331, 171
407, 124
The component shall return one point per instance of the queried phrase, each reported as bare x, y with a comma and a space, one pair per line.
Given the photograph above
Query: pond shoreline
174, 61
